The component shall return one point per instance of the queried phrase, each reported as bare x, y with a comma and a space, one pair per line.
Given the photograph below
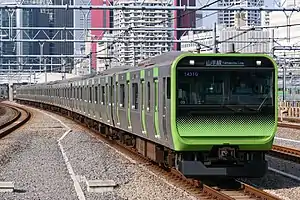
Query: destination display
225, 61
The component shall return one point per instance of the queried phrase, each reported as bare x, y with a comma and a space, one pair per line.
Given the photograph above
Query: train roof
162, 59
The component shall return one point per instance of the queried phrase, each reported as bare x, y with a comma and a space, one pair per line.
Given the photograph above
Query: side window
96, 94
168, 87
117, 94
142, 94
164, 92
122, 95
135, 95
113, 94
149, 93
103, 94
108, 93
90, 93
156, 95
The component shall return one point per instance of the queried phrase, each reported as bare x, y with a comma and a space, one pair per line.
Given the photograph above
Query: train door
102, 106
115, 105
110, 108
95, 97
108, 100
123, 103
135, 115
143, 102
149, 81
166, 104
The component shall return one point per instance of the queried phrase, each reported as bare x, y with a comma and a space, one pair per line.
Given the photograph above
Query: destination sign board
225, 61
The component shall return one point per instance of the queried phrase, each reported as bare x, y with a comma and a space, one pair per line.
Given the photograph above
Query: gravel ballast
31, 157
32, 160
6, 114
288, 133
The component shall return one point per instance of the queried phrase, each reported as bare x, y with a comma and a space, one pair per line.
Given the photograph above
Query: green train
207, 115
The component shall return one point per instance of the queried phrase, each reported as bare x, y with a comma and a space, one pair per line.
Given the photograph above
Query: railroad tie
6, 187
100, 186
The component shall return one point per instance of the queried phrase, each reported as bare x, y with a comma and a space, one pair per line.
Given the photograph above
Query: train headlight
258, 62
192, 62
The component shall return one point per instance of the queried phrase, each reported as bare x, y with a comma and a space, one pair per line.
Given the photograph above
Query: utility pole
41, 55
284, 78
215, 48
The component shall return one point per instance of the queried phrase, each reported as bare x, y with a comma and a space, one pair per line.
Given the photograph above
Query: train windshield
251, 88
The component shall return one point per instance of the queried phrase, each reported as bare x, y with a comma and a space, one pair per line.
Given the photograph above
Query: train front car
224, 113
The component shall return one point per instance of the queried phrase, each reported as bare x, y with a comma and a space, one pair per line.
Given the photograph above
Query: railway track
289, 122
286, 153
21, 116
238, 190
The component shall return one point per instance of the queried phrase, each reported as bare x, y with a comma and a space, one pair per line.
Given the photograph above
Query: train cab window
149, 93
122, 95
135, 95
96, 94
103, 94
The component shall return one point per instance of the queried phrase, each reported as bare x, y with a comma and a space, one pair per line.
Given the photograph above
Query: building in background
62, 18
183, 19
131, 52
99, 19
22, 18
227, 17
265, 18
106, 54
257, 42
82, 19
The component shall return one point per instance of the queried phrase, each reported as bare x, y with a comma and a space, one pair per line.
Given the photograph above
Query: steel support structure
124, 8
21, 31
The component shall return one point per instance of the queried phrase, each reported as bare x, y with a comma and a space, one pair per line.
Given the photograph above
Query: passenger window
156, 95
135, 95
96, 94
149, 99
103, 95
90, 93
108, 93
142, 93
113, 94
164, 92
122, 95
117, 94
168, 87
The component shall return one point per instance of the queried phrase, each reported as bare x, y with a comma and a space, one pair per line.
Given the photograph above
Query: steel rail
193, 186
286, 153
20, 119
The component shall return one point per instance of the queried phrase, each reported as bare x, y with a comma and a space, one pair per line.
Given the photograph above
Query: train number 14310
191, 73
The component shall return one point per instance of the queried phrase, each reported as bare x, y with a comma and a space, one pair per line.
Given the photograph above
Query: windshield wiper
234, 110
262, 103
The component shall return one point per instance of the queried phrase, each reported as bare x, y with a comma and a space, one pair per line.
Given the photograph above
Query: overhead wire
163, 21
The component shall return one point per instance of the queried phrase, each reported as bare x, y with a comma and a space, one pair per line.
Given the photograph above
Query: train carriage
204, 114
